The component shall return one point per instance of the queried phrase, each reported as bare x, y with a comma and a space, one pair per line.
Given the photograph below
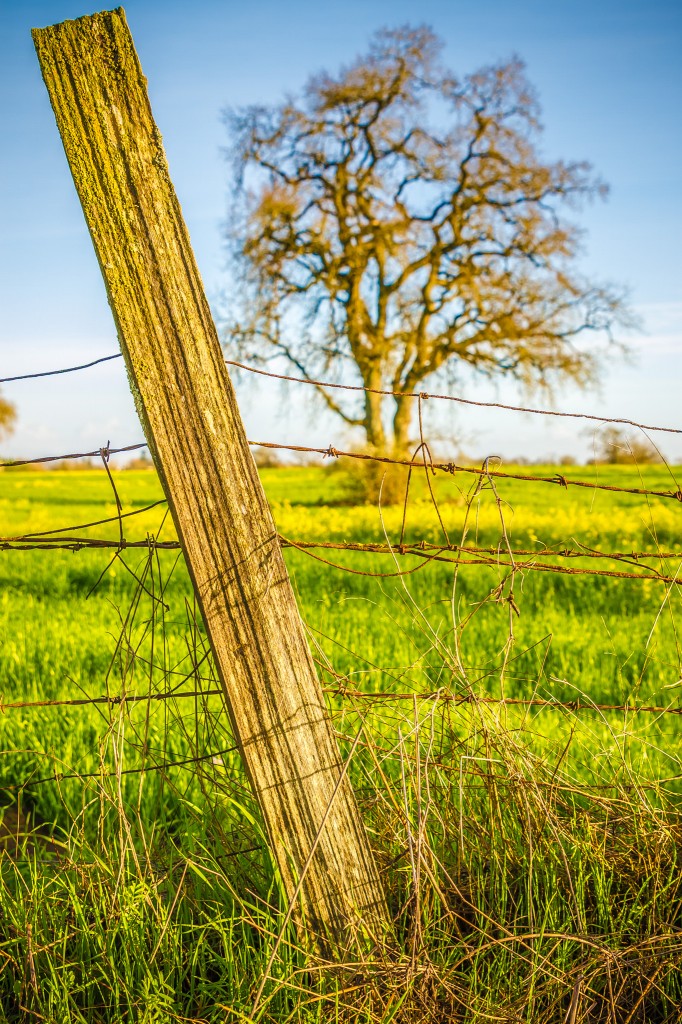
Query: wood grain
190, 416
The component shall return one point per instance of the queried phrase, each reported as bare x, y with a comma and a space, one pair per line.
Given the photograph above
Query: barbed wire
451, 468
418, 547
421, 395
54, 538
532, 702
556, 783
434, 553
486, 471
97, 453
115, 700
509, 559
558, 780
426, 395
341, 690
429, 552
82, 544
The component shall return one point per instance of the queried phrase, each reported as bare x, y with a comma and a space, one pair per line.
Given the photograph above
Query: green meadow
528, 835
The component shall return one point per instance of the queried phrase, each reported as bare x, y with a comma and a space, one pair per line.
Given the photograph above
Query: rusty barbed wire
451, 468
84, 543
557, 782
115, 701
499, 562
417, 547
424, 395
430, 554
535, 702
63, 538
427, 551
53, 538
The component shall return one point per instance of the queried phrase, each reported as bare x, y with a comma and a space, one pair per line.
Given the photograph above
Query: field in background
530, 854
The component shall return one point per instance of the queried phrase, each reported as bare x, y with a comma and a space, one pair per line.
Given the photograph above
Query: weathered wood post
192, 423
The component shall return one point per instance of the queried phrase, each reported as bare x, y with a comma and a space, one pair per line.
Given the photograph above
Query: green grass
530, 856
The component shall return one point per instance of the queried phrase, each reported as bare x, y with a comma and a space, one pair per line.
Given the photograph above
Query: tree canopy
397, 222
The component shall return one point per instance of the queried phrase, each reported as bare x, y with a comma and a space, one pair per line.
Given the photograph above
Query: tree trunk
402, 423
374, 426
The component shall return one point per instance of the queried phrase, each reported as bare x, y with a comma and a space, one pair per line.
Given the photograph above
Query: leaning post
192, 423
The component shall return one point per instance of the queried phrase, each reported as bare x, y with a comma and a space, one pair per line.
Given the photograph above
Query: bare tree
401, 221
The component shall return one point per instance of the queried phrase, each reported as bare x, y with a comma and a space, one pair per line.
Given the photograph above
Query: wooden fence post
192, 423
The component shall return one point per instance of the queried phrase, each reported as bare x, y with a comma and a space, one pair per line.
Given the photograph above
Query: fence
511, 562
260, 654
504, 557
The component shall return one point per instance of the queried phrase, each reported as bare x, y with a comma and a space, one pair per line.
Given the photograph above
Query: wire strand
97, 453
423, 395
429, 552
56, 373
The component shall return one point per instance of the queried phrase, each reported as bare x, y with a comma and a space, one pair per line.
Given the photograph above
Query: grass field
530, 854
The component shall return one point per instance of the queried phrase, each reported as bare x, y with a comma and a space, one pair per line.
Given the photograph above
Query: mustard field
503, 707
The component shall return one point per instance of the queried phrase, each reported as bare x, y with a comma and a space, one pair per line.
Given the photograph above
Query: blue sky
610, 83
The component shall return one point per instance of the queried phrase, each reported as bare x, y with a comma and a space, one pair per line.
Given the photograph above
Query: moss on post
192, 423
